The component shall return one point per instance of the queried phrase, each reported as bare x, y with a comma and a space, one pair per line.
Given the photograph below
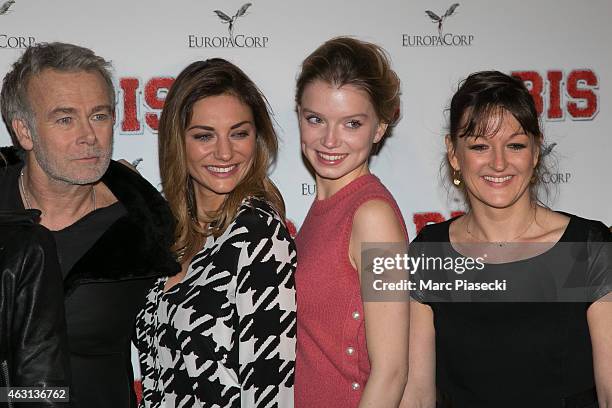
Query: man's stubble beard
53, 168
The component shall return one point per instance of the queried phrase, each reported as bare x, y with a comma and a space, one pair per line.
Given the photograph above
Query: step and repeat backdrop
560, 48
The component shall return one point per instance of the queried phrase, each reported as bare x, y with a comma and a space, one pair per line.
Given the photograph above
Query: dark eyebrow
518, 133
212, 129
209, 128
237, 125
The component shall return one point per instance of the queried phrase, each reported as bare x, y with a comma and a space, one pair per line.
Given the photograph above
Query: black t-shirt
516, 354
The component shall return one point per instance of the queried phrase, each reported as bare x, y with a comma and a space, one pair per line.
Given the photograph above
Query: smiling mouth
221, 170
497, 179
331, 158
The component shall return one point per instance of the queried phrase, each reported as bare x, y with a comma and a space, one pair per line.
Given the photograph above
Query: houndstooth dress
225, 335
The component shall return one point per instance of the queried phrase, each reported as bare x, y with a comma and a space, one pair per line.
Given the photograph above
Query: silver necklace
27, 202
502, 243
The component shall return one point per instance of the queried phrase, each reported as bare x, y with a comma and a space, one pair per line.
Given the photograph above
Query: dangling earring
456, 178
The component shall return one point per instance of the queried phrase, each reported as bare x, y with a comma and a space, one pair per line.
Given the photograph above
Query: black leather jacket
33, 345
107, 286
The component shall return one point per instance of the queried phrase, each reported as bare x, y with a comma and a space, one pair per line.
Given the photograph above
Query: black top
76, 239
506, 354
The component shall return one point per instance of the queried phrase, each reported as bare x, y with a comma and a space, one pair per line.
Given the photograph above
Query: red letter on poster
129, 86
535, 85
554, 95
580, 85
153, 100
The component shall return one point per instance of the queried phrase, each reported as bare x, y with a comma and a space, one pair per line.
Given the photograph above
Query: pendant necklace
503, 243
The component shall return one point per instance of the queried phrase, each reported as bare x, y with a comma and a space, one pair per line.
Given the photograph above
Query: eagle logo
440, 20
231, 21
4, 7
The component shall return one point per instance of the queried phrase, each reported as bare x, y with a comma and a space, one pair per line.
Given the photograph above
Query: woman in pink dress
350, 353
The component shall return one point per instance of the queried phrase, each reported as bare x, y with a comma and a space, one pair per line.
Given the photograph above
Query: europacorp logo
11, 40
234, 38
557, 176
443, 39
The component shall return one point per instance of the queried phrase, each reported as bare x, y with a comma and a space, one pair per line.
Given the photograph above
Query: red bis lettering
580, 98
154, 97
580, 101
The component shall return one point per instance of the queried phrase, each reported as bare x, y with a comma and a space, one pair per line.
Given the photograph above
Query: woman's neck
488, 224
328, 187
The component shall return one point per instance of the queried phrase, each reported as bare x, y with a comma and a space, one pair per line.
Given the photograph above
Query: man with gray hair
112, 229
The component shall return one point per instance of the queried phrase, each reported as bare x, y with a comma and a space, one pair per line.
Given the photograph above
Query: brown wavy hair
199, 80
348, 61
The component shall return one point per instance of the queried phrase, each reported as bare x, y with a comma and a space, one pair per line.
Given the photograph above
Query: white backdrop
564, 44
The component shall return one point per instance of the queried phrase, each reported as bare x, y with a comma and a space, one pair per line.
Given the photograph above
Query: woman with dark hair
350, 352
528, 345
221, 332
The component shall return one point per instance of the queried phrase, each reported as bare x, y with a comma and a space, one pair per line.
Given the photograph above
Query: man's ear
451, 154
23, 133
380, 131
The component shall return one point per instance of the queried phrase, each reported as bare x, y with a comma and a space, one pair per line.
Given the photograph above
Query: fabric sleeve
41, 356
599, 250
266, 306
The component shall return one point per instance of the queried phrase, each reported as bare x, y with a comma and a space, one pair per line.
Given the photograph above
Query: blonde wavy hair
199, 80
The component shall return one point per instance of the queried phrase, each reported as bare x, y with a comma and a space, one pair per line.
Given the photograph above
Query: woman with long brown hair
222, 331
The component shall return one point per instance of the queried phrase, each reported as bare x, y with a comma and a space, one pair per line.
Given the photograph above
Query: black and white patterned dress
225, 335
